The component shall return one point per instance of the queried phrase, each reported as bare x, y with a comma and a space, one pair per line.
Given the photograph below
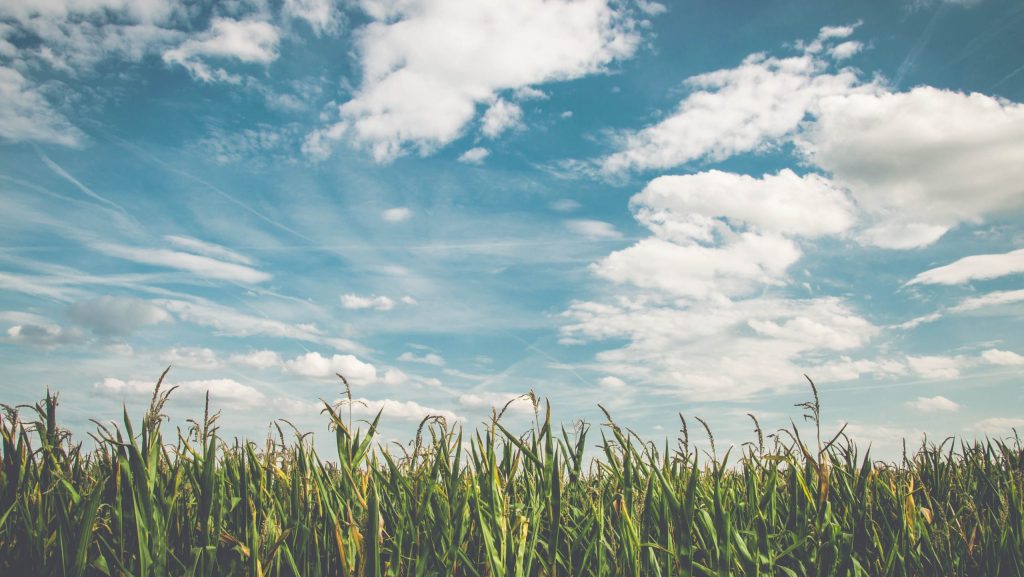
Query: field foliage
146, 502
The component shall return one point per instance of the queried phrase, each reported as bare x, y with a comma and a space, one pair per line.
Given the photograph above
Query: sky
661, 208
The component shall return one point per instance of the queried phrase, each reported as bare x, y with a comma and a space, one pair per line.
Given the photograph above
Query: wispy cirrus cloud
975, 267
202, 266
228, 321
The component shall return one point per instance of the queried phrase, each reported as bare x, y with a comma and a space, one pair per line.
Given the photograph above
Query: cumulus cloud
475, 155
112, 315
699, 271
516, 402
612, 383
248, 41
920, 162
426, 359
356, 302
220, 389
44, 335
402, 410
933, 404
394, 377
1005, 358
501, 116
428, 64
316, 365
916, 163
976, 267
936, 367
721, 234
264, 359
845, 50
397, 214
74, 36
26, 115
718, 349
700, 207
733, 111
192, 357
593, 229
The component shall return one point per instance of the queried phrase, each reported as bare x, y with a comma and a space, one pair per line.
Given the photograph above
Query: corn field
497, 503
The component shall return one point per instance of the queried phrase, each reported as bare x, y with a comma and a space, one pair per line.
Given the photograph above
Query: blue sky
662, 208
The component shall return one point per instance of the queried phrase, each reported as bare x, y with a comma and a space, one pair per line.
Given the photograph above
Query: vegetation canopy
496, 503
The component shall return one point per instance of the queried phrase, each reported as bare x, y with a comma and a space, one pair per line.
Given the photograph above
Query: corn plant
496, 503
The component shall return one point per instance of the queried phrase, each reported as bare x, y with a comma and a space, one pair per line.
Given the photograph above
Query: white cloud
140, 10
192, 357
219, 389
917, 163
248, 41
394, 377
257, 145
73, 36
612, 383
593, 229
323, 16
197, 246
733, 111
356, 302
516, 402
44, 335
501, 116
846, 50
49, 286
474, 155
402, 410
264, 359
920, 162
936, 367
998, 425
564, 205
427, 64
718, 234
198, 265
976, 267
121, 349
229, 321
933, 404
426, 359
25, 115
408, 300
994, 298
1006, 358
699, 207
718, 349
698, 271
397, 214
315, 365
110, 315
